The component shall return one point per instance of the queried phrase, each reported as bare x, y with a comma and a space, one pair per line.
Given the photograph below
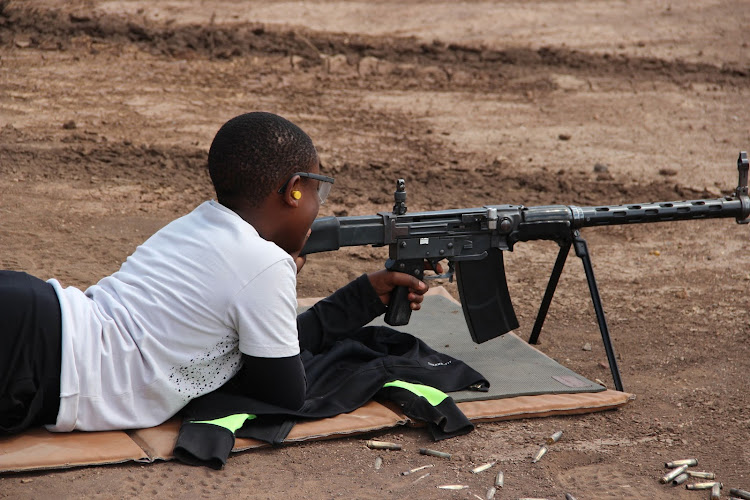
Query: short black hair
252, 154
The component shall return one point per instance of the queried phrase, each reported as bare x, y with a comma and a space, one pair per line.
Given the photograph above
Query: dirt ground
107, 110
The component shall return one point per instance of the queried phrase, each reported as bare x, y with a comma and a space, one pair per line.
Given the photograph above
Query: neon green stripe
432, 395
232, 422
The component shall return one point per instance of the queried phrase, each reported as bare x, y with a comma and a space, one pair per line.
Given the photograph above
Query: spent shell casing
481, 468
554, 437
453, 487
490, 493
499, 479
673, 474
434, 453
745, 495
677, 463
701, 475
539, 454
412, 471
702, 486
378, 463
716, 492
382, 445
680, 479
420, 478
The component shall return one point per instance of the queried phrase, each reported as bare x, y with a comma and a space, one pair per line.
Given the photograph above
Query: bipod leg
562, 255
582, 251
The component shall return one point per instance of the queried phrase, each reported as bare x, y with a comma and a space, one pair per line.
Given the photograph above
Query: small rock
600, 167
79, 18
368, 65
567, 82
564, 137
69, 125
296, 61
338, 64
586, 346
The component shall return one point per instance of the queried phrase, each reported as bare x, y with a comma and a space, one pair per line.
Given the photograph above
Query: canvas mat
525, 383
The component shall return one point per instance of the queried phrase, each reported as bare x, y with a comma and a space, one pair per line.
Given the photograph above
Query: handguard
485, 299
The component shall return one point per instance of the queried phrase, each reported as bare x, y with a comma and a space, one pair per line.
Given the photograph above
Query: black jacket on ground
346, 365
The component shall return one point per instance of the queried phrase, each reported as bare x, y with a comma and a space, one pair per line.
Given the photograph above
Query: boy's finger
402, 279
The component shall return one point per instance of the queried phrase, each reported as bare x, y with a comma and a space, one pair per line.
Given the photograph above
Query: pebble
600, 167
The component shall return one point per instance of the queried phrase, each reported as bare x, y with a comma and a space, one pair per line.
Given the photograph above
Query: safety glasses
325, 184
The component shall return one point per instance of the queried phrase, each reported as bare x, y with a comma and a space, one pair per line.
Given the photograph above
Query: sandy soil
107, 109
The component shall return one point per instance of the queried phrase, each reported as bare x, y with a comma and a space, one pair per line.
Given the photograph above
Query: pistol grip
399, 307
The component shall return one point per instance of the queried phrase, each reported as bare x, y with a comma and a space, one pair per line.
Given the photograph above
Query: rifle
473, 241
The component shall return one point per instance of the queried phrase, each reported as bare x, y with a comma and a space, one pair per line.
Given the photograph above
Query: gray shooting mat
510, 364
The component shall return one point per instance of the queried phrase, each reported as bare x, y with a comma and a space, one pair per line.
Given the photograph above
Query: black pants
30, 352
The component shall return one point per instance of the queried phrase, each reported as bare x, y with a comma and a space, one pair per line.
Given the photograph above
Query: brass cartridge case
499, 479
434, 453
453, 487
382, 445
412, 471
676, 463
673, 474
539, 454
701, 475
680, 479
554, 437
702, 486
482, 468
716, 492
745, 495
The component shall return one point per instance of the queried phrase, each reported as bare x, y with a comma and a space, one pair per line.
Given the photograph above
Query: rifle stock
473, 239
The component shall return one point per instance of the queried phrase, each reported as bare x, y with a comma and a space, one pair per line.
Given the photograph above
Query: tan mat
38, 449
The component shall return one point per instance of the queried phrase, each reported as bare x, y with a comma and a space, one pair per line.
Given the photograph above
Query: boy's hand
384, 282
300, 261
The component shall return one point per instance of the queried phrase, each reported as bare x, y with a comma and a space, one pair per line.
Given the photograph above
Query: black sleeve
347, 310
279, 381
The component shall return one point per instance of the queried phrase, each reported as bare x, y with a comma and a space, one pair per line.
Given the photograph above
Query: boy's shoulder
214, 228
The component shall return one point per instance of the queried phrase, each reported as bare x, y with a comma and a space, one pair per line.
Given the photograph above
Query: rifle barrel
659, 212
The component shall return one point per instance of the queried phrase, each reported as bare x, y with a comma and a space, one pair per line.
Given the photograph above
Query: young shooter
209, 298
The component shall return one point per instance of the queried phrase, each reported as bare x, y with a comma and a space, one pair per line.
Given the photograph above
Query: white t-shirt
171, 324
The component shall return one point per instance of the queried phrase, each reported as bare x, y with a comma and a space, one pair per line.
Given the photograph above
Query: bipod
581, 249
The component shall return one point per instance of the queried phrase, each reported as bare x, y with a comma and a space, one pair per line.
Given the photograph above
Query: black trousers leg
30, 352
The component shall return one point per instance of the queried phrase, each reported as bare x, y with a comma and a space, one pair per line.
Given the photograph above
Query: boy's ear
293, 192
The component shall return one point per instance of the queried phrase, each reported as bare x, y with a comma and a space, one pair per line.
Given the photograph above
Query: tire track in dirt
462, 66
